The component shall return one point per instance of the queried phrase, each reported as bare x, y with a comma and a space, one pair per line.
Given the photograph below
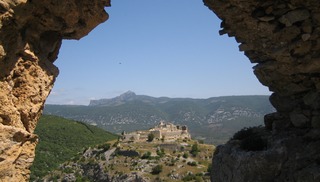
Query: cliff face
282, 39
31, 34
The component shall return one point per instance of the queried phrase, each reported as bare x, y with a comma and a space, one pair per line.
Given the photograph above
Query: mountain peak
128, 93
126, 96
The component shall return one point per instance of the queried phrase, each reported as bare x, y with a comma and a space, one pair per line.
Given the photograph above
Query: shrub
242, 134
198, 179
209, 169
160, 152
192, 177
192, 163
252, 139
157, 169
104, 147
172, 162
194, 150
185, 155
128, 153
103, 157
146, 155
189, 177
150, 137
174, 152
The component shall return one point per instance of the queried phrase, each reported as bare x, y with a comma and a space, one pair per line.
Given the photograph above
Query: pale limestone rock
31, 35
2, 53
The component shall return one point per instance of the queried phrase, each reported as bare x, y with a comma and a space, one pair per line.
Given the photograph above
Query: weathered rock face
292, 155
30, 37
282, 39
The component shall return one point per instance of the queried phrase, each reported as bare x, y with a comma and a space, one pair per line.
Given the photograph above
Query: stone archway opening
178, 51
281, 37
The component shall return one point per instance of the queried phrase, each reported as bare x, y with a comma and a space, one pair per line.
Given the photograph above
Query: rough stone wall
31, 32
282, 38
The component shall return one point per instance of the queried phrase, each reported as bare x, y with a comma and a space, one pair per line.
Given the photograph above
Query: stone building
163, 130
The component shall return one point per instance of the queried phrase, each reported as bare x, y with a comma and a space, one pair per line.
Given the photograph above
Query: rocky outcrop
31, 34
282, 39
291, 155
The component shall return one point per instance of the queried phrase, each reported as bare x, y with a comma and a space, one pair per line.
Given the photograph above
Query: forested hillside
214, 119
60, 139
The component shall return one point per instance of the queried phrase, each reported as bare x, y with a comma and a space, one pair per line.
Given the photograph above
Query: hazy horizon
154, 97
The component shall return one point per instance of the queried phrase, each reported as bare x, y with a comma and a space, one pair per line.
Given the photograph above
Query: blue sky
156, 48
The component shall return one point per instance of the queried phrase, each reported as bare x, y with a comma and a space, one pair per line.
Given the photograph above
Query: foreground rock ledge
282, 39
292, 155
30, 37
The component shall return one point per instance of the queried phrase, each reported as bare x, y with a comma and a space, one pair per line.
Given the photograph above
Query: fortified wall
280, 37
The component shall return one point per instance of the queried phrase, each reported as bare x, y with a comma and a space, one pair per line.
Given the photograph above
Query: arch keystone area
280, 37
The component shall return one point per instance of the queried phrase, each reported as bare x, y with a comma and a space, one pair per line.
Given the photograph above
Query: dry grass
172, 161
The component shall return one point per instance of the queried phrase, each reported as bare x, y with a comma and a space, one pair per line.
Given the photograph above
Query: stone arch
281, 37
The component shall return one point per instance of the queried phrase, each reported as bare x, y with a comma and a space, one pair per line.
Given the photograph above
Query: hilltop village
164, 131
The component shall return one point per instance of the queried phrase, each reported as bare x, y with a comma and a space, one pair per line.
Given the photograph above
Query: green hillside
178, 161
213, 119
60, 139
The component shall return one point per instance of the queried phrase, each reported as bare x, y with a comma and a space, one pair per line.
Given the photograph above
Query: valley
110, 157
181, 159
213, 120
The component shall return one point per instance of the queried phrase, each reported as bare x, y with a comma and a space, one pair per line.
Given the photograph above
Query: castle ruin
163, 131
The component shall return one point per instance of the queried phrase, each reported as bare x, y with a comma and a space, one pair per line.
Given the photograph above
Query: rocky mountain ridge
205, 117
131, 96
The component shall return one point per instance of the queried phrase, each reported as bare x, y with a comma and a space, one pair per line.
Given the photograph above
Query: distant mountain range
214, 119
